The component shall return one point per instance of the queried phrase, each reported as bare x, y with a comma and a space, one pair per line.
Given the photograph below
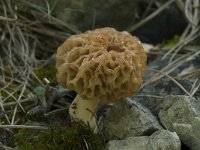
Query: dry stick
10, 6
2, 108
193, 19
186, 41
147, 9
23, 42
187, 13
180, 5
37, 78
151, 16
185, 33
176, 82
55, 111
65, 25
5, 18
2, 72
11, 55
2, 18
46, 32
14, 46
197, 11
48, 9
52, 18
191, 74
192, 15
169, 68
22, 92
14, 114
11, 94
18, 101
195, 86
6, 147
17, 120
7, 84
152, 96
23, 127
26, 52
86, 145
14, 103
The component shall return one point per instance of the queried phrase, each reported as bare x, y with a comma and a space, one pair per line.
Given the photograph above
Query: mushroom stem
84, 110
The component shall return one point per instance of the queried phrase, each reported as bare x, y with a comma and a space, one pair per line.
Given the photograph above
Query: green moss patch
76, 137
47, 72
172, 42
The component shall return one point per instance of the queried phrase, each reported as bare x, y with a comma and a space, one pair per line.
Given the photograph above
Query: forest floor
33, 105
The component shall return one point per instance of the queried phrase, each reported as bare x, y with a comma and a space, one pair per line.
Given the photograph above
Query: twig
2, 18
176, 82
171, 67
6, 147
152, 96
2, 108
147, 9
180, 5
191, 32
23, 127
195, 86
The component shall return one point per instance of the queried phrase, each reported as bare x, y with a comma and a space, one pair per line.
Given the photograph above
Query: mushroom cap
102, 64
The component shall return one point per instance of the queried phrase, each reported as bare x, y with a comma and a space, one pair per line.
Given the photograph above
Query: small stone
128, 118
160, 140
130, 143
181, 114
164, 140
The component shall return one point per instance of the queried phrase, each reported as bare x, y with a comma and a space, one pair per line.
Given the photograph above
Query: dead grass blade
174, 80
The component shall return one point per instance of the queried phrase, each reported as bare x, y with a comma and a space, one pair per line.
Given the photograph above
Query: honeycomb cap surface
102, 64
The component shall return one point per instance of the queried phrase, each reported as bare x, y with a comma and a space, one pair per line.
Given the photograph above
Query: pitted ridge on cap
103, 64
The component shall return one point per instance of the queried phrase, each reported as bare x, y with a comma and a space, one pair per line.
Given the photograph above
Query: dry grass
184, 48
29, 38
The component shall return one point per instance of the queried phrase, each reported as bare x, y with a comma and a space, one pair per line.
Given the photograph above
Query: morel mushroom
102, 66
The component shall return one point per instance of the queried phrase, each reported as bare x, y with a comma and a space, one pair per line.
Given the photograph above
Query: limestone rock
164, 140
130, 143
128, 118
160, 140
181, 114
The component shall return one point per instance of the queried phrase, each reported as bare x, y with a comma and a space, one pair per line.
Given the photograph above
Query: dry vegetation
29, 36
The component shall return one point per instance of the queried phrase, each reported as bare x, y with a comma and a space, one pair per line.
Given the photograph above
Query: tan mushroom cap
103, 64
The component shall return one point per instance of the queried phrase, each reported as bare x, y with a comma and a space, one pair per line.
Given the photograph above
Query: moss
25, 139
47, 72
75, 137
9, 95
172, 42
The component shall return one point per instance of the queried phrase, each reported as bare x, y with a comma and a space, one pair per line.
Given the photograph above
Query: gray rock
181, 114
130, 143
160, 140
164, 140
128, 118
